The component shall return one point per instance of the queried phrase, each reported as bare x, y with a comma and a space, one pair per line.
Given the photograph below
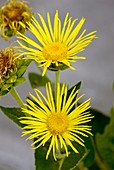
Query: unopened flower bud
12, 69
12, 15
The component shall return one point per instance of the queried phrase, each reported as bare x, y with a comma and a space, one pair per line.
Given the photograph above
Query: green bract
11, 70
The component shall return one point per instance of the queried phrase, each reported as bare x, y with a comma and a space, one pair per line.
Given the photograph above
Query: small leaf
21, 71
14, 114
6, 87
37, 80
23, 68
2, 93
19, 81
12, 79
105, 143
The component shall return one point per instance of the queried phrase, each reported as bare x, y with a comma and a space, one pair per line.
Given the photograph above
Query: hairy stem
17, 97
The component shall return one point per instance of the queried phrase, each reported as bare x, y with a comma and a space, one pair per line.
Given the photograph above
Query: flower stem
57, 81
57, 76
61, 163
17, 97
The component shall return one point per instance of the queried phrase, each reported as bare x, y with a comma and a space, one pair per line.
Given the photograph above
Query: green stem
61, 163
57, 81
17, 97
57, 77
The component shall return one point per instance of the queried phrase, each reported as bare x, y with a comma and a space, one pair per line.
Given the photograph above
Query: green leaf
23, 67
40, 159
86, 155
2, 93
99, 121
14, 114
105, 143
72, 161
36, 80
94, 166
89, 159
50, 164
98, 124
76, 86
21, 71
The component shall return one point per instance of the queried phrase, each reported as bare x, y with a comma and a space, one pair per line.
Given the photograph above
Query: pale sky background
97, 72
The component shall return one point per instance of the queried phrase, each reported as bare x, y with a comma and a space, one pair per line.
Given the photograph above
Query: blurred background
96, 72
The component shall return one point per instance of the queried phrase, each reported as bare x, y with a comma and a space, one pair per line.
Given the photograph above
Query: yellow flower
52, 121
58, 44
12, 14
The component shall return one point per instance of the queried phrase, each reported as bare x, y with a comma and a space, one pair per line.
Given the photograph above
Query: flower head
12, 69
52, 121
56, 45
12, 14
7, 61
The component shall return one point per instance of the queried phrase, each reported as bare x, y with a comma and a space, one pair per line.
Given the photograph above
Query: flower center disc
57, 123
55, 51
